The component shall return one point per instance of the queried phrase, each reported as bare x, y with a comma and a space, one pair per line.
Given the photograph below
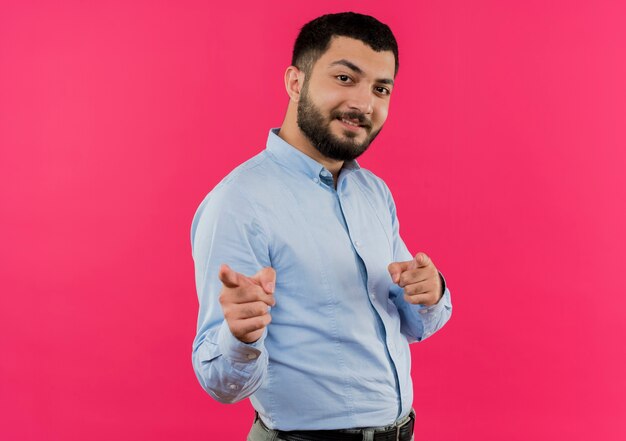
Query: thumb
422, 260
397, 268
228, 277
266, 277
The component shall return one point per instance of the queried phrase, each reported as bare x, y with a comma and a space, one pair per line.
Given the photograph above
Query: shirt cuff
434, 316
236, 350
444, 302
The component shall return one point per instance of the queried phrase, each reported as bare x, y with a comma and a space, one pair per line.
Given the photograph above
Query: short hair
315, 37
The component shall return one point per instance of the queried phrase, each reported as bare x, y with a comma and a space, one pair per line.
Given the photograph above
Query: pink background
504, 149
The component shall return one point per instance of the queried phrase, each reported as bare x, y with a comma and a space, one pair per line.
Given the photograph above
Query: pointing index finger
228, 277
422, 260
396, 269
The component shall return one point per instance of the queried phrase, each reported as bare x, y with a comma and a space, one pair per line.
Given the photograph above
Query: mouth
352, 124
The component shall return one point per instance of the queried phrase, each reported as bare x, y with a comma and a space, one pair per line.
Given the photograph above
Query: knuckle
431, 286
260, 322
250, 327
256, 310
249, 291
253, 311
235, 330
223, 298
267, 319
228, 314
404, 278
410, 299
246, 311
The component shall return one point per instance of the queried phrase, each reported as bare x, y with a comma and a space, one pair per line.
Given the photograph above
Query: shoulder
243, 183
235, 197
372, 183
247, 175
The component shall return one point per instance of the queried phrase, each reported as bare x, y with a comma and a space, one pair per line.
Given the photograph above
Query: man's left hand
419, 278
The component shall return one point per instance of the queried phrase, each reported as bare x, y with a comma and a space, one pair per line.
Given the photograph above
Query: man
308, 295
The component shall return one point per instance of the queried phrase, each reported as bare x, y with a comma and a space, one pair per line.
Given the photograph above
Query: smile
350, 124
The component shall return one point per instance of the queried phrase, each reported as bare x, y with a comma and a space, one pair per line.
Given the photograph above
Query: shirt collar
292, 158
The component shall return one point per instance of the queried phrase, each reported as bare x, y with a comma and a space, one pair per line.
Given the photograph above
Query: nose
362, 99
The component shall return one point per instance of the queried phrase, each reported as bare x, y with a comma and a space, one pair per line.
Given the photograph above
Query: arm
421, 321
227, 230
419, 290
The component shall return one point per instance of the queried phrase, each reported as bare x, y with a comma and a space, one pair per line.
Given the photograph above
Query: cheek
332, 101
381, 114
325, 96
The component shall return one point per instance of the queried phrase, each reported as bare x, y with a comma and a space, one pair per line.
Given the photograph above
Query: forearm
420, 322
227, 369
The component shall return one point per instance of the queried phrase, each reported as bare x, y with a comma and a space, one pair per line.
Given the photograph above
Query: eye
343, 78
382, 90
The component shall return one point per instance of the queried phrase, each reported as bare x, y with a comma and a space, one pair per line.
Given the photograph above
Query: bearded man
308, 296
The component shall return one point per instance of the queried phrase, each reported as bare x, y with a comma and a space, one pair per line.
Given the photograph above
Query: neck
291, 133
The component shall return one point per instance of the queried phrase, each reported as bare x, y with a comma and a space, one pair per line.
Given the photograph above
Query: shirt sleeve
417, 321
226, 229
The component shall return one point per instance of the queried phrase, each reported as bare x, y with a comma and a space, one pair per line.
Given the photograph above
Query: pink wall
504, 149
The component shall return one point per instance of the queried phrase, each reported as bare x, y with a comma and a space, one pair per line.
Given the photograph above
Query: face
344, 100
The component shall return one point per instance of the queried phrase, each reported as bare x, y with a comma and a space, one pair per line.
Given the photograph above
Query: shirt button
232, 386
251, 356
423, 311
357, 243
316, 180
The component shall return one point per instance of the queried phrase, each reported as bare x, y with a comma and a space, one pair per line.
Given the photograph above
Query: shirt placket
355, 232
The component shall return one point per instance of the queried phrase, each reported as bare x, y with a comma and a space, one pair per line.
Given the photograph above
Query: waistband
401, 430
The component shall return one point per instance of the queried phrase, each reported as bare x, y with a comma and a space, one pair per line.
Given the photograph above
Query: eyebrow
358, 70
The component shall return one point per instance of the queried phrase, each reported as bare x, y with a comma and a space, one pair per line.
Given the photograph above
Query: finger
414, 276
241, 311
426, 299
266, 278
230, 278
266, 298
397, 268
418, 288
249, 292
246, 326
422, 260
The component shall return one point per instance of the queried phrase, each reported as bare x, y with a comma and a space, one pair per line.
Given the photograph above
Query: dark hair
315, 36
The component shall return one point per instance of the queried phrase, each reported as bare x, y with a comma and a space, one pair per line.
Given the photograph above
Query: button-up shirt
336, 353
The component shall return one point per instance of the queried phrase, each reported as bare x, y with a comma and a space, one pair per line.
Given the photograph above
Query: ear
294, 80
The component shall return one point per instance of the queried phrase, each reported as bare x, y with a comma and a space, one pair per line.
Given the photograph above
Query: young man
308, 295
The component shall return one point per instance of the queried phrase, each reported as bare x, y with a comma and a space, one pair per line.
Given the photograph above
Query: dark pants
260, 432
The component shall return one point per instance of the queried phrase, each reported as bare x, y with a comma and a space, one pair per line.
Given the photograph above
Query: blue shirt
336, 354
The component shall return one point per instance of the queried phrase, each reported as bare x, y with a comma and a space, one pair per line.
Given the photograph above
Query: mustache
363, 120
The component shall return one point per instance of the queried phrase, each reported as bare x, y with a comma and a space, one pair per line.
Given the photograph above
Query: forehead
377, 64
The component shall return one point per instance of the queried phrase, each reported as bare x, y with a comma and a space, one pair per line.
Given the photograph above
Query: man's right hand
246, 300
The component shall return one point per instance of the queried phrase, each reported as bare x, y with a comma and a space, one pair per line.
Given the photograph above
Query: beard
316, 128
